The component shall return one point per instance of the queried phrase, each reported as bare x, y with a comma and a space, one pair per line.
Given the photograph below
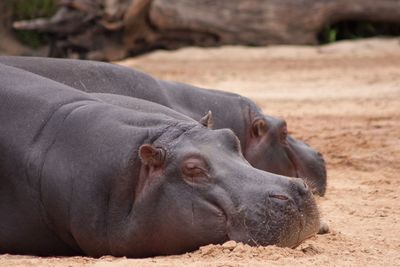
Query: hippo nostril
301, 186
280, 197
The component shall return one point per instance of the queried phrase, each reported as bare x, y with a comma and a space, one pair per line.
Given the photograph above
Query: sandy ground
343, 99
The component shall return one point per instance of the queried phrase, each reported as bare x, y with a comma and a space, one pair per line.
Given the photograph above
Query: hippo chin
264, 139
82, 176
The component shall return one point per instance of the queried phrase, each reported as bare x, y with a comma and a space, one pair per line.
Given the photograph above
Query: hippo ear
208, 120
152, 156
259, 128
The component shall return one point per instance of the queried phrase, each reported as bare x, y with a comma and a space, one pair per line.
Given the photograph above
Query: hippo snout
285, 215
296, 211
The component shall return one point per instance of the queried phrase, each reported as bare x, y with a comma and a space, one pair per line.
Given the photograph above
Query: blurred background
115, 29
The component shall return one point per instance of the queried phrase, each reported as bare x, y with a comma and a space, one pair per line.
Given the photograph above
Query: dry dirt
343, 99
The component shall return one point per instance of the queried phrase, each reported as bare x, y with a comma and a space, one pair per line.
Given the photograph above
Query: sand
344, 100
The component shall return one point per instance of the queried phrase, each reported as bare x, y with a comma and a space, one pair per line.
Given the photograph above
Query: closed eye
195, 169
192, 170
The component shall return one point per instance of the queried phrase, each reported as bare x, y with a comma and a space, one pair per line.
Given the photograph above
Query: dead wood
111, 29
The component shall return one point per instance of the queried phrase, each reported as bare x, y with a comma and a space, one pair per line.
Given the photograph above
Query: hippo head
196, 188
270, 148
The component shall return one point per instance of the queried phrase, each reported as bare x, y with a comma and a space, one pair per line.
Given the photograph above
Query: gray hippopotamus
264, 139
103, 174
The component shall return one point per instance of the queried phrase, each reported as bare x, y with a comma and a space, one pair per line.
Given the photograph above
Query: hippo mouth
306, 229
223, 219
307, 216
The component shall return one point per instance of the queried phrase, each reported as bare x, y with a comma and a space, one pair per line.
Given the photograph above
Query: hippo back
264, 139
229, 110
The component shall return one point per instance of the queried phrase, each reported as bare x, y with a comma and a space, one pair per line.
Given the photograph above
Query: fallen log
112, 29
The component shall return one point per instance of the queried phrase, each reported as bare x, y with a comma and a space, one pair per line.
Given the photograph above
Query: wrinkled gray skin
264, 139
82, 176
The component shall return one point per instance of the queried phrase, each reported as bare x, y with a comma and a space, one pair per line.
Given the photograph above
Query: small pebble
229, 245
323, 228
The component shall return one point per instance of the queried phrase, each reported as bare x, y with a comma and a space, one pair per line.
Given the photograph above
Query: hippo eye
194, 169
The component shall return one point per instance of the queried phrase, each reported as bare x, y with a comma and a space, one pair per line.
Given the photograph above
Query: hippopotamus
98, 174
264, 139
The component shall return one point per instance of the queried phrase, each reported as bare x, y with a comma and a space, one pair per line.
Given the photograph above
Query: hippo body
112, 175
264, 140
